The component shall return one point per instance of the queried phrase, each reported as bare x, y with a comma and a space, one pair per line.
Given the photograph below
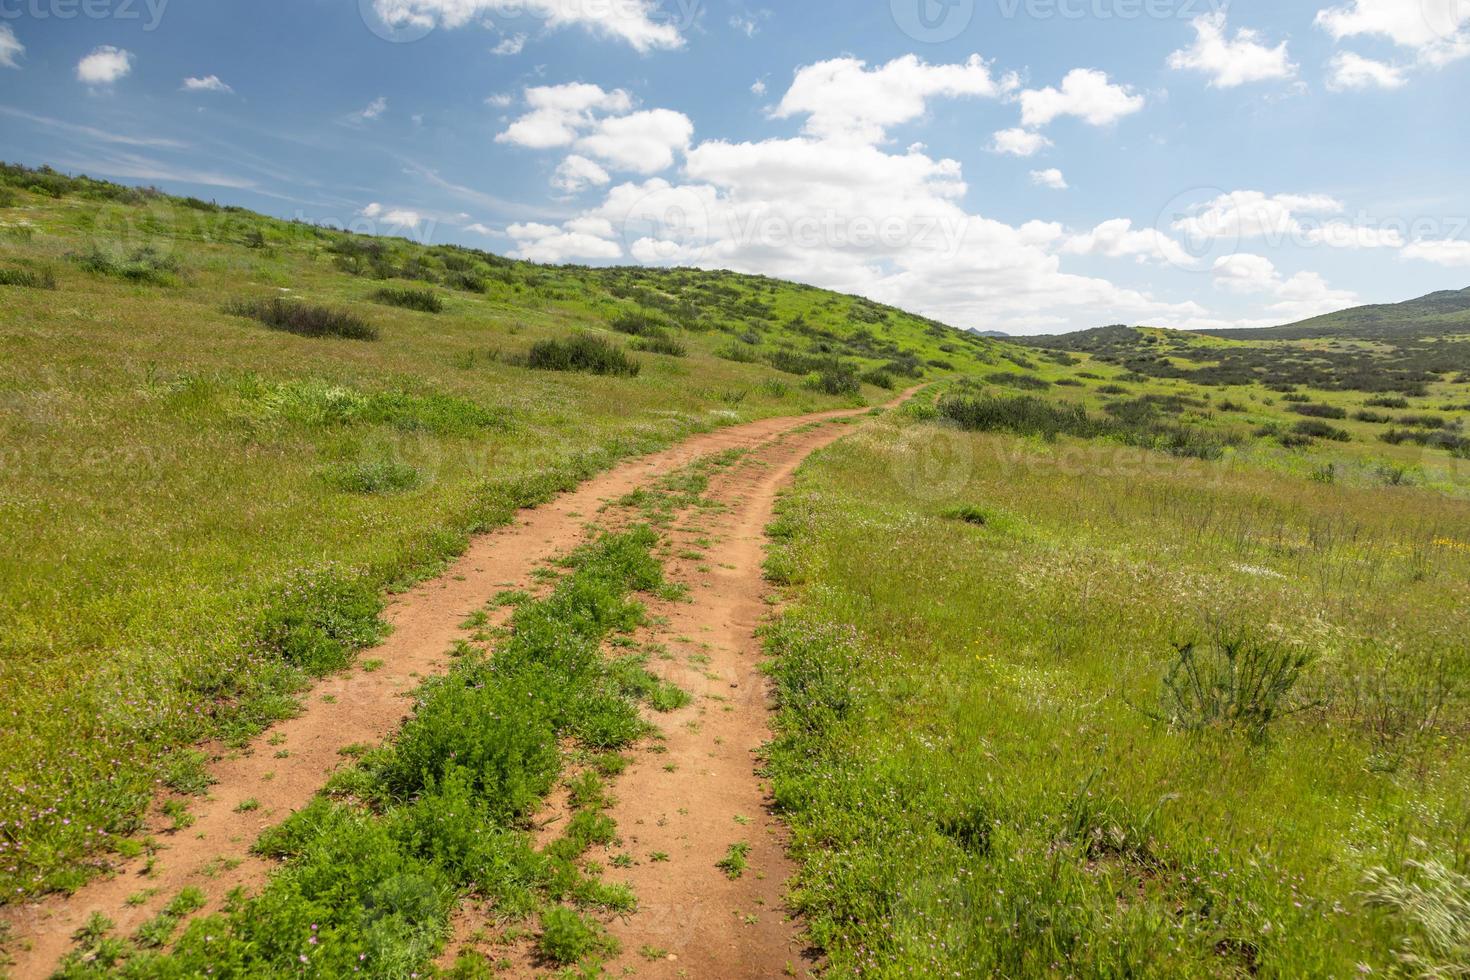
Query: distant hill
1447, 311
1403, 347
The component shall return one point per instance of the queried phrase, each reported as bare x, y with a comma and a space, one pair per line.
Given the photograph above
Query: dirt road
711, 925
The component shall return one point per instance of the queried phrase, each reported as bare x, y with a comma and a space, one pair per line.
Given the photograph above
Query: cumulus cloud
1117, 239
1019, 142
577, 173
1253, 214
635, 22
1349, 72
641, 142
560, 113
105, 66
1438, 31
843, 100
1304, 295
392, 217
209, 83
1451, 253
1085, 93
546, 243
1051, 178
10, 47
479, 229
1231, 62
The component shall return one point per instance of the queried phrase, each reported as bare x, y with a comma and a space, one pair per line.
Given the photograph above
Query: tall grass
583, 352
972, 786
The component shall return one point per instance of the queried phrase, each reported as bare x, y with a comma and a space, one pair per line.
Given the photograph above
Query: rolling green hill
1439, 314
211, 419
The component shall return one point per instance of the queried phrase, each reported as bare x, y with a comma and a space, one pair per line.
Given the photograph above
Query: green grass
373, 866
195, 505
999, 759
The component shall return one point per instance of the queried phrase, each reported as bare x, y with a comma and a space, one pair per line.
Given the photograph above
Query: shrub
638, 323
141, 266
1319, 411
878, 378
1112, 390
1313, 429
583, 352
27, 278
1238, 682
1387, 401
1380, 418
423, 300
304, 319
1069, 383
661, 345
836, 378
740, 352
466, 282
1424, 421
1012, 379
8, 198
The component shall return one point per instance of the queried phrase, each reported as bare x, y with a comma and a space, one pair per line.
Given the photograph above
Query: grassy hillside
223, 436
1098, 711
1443, 313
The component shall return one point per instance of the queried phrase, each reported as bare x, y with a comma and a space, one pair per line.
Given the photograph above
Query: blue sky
1023, 165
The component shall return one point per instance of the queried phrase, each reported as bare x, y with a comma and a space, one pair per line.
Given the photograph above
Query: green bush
143, 266
583, 352
423, 300
1319, 411
27, 279
304, 319
1237, 682
667, 346
1313, 429
566, 937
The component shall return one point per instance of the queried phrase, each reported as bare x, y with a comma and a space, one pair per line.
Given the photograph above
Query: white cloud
1437, 30
209, 83
1231, 62
1451, 253
1351, 71
373, 110
745, 25
1304, 295
641, 142
392, 217
577, 173
547, 243
479, 229
634, 22
1019, 142
843, 100
1117, 239
1252, 214
759, 88
1344, 234
560, 113
500, 100
509, 46
1051, 178
105, 65
1085, 93
10, 47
